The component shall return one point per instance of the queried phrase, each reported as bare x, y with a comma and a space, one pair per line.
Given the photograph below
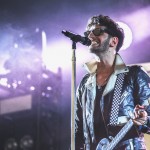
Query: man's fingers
135, 114
137, 122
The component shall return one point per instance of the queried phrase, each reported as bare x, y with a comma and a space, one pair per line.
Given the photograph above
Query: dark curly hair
112, 27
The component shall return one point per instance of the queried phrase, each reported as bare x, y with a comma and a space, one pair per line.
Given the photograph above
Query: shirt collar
120, 66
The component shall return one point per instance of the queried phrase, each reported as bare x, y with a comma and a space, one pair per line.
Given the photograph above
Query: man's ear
114, 41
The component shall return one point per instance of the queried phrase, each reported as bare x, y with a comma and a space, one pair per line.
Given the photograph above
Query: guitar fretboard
120, 135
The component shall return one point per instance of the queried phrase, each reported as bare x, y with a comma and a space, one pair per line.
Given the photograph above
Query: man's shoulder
83, 80
137, 69
134, 66
85, 77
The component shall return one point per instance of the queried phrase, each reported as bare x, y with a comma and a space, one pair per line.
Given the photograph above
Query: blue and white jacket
135, 90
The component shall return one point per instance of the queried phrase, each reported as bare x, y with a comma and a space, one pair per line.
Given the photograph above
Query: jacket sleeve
79, 133
143, 94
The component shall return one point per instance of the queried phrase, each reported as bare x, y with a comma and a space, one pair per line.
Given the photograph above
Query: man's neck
106, 63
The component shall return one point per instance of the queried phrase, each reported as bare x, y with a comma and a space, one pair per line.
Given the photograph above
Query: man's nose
91, 35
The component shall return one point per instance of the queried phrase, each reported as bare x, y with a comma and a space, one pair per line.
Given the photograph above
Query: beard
102, 48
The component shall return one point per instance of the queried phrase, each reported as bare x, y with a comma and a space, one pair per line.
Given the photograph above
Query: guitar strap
116, 99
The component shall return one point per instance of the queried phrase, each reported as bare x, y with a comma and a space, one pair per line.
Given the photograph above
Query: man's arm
142, 111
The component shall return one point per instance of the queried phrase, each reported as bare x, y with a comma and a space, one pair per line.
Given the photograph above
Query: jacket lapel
91, 67
91, 86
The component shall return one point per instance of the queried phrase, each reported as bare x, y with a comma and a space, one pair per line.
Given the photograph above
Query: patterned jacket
135, 90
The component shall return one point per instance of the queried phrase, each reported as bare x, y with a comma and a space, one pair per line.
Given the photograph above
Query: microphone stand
73, 95
85, 41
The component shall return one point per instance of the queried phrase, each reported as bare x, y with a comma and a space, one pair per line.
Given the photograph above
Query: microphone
77, 38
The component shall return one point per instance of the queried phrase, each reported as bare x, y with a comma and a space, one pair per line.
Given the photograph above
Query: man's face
99, 39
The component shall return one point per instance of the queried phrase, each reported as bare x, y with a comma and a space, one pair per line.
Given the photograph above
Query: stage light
3, 81
45, 76
14, 85
16, 45
26, 142
43, 94
8, 85
49, 88
37, 30
56, 55
28, 76
139, 22
11, 144
128, 35
32, 88
19, 82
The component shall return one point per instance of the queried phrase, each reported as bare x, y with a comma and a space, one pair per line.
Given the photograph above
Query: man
111, 93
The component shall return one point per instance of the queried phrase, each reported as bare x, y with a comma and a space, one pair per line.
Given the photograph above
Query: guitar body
103, 144
106, 144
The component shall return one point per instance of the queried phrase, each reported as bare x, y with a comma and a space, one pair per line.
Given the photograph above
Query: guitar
104, 144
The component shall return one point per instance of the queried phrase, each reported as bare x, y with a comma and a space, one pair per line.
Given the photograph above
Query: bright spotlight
128, 35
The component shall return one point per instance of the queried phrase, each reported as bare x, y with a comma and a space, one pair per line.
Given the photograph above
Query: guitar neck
120, 135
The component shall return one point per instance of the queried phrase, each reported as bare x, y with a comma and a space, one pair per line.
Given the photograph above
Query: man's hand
140, 115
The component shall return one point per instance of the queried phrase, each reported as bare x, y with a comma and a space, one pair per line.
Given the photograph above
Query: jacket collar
120, 66
91, 67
